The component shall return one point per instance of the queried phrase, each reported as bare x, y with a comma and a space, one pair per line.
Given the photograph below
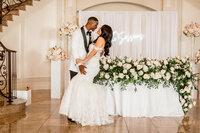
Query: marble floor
42, 117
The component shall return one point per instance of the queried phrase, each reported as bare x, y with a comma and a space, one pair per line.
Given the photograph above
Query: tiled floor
42, 117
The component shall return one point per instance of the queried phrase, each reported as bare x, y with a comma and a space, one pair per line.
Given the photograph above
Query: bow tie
89, 32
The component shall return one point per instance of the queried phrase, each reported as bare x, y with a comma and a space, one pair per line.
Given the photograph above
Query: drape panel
139, 34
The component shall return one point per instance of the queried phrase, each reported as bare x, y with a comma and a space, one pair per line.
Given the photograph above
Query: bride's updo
107, 34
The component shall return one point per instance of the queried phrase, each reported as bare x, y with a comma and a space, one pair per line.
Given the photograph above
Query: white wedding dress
83, 101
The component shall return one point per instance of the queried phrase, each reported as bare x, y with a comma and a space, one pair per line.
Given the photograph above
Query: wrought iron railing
8, 73
8, 6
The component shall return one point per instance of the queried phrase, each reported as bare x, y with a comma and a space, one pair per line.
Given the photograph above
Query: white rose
185, 97
145, 68
106, 66
128, 66
157, 63
168, 76
185, 109
141, 73
103, 61
146, 76
107, 76
111, 67
182, 91
121, 75
128, 60
124, 71
132, 70
185, 105
127, 77
182, 101
135, 63
123, 61
188, 74
190, 106
149, 63
165, 62
102, 74
172, 69
163, 72
114, 58
109, 60
185, 89
139, 67
119, 64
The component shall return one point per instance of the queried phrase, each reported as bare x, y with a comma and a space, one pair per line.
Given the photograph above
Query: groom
81, 39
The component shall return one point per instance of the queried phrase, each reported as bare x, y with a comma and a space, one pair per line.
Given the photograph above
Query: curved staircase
10, 105
9, 11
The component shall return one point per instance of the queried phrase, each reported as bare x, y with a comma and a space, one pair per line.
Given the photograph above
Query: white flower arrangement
68, 29
192, 30
151, 72
56, 53
197, 57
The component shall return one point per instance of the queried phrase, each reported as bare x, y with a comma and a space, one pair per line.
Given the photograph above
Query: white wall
118, 6
29, 34
190, 13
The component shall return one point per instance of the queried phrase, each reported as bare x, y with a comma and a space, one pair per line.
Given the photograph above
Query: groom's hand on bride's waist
82, 69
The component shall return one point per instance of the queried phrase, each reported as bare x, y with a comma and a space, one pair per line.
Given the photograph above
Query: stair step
7, 17
21, 7
28, 2
4, 23
13, 12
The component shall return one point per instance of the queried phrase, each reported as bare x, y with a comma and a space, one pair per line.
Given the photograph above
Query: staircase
10, 8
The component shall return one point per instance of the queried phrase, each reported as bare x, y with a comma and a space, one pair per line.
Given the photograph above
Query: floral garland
197, 58
151, 72
192, 30
68, 29
56, 53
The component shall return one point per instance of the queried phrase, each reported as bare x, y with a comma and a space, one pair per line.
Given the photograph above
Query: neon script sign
122, 37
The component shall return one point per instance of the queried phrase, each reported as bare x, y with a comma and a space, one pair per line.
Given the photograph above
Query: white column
56, 79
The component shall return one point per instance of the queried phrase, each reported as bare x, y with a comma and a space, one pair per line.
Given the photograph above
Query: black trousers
72, 74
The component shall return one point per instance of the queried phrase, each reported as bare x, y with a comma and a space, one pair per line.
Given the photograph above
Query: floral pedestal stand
56, 79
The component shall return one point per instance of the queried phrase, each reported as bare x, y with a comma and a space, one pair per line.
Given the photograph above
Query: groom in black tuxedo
81, 39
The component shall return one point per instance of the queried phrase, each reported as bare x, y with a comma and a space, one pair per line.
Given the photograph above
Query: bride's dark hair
107, 34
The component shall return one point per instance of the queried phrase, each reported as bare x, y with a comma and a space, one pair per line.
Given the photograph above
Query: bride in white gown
85, 102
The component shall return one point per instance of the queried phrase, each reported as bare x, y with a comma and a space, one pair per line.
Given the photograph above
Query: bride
85, 102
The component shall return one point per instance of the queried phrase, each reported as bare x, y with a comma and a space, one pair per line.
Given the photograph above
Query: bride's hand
79, 61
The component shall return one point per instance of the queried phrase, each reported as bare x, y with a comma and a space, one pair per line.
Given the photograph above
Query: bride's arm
100, 42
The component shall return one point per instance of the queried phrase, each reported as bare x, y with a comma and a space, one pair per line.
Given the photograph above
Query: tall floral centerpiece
192, 30
66, 30
56, 54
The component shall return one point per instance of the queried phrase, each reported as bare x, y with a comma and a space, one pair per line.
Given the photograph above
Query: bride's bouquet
56, 53
68, 29
197, 58
192, 30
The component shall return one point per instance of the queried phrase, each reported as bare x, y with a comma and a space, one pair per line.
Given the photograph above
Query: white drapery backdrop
139, 34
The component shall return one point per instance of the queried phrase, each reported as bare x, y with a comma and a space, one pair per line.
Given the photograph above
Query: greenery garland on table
151, 72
